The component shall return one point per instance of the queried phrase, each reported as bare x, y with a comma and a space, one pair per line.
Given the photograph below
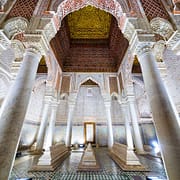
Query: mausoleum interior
90, 89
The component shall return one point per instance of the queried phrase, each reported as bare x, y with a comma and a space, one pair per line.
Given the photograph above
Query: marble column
165, 117
47, 158
43, 126
134, 119
107, 104
126, 116
50, 132
71, 105
13, 110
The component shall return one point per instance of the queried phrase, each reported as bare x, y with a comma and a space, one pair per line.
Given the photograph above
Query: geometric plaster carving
162, 27
174, 42
19, 48
15, 26
158, 50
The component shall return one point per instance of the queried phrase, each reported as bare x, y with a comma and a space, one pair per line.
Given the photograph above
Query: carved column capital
162, 27
37, 41
33, 50
72, 100
143, 48
15, 26
142, 43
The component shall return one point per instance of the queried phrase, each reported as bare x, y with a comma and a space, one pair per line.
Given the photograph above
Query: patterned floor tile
68, 169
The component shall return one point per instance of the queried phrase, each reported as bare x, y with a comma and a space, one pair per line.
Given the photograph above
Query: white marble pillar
13, 110
51, 127
165, 117
107, 103
46, 158
71, 105
134, 119
126, 116
43, 126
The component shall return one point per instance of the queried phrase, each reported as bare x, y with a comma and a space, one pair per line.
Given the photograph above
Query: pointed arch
114, 95
92, 79
114, 7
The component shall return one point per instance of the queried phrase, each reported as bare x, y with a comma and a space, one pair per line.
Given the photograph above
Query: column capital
124, 101
107, 100
72, 100
36, 40
143, 48
47, 99
54, 105
107, 104
131, 98
33, 50
142, 43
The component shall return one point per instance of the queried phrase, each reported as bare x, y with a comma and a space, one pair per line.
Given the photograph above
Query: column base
140, 152
36, 152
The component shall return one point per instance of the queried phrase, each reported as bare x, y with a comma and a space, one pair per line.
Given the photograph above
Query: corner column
107, 103
52, 121
165, 117
13, 110
43, 126
134, 118
126, 115
71, 106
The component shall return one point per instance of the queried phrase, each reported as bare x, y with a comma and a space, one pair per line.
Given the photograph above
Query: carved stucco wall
3, 90
173, 76
35, 105
142, 101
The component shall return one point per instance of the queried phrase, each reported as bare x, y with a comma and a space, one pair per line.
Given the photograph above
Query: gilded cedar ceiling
89, 23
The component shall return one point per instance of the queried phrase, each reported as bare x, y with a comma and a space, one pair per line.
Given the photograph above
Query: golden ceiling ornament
89, 23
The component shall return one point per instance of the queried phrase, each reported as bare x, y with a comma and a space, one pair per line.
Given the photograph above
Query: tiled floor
68, 170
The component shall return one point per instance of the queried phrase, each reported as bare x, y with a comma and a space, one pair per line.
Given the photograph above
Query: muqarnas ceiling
89, 23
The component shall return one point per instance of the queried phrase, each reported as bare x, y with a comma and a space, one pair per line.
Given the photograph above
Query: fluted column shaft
126, 115
13, 111
109, 123
134, 118
71, 106
52, 121
165, 117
